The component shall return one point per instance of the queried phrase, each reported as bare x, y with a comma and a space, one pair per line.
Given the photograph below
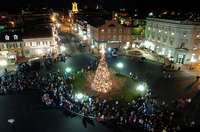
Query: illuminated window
7, 37
120, 37
15, 37
33, 43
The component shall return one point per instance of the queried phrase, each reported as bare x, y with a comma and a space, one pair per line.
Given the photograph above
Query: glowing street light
151, 14
53, 19
62, 48
120, 65
109, 49
79, 96
68, 69
140, 88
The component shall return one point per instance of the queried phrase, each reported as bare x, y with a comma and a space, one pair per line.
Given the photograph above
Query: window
165, 37
8, 45
27, 43
5, 46
153, 35
7, 37
41, 43
15, 37
182, 45
120, 37
171, 41
158, 37
21, 45
114, 37
33, 43
18, 45
114, 30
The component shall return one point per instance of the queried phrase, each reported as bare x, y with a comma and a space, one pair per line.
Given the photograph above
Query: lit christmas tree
102, 81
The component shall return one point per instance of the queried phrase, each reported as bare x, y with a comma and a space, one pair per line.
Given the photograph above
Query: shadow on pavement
69, 114
86, 121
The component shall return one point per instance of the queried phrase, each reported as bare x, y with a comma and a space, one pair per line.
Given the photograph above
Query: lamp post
68, 70
62, 48
120, 65
92, 48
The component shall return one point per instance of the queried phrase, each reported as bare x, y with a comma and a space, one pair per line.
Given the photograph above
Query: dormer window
15, 37
7, 37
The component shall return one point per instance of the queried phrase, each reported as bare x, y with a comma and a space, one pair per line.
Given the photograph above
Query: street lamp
120, 65
62, 49
141, 88
79, 96
68, 70
53, 19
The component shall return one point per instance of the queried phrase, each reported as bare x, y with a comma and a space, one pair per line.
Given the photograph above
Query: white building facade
176, 40
36, 47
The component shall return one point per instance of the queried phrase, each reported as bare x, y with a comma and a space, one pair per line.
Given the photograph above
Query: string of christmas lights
102, 81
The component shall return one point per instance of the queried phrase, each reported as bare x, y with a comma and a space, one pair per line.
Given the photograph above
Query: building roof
37, 32
184, 22
37, 27
96, 22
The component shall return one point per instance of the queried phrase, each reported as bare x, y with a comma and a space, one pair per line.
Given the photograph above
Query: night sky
108, 4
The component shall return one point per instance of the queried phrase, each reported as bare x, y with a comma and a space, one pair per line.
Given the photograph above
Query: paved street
31, 116
72, 43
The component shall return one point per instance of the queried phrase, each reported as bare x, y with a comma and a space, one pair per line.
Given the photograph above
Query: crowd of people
144, 112
11, 83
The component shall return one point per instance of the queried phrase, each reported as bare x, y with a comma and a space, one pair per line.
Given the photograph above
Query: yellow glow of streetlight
53, 19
